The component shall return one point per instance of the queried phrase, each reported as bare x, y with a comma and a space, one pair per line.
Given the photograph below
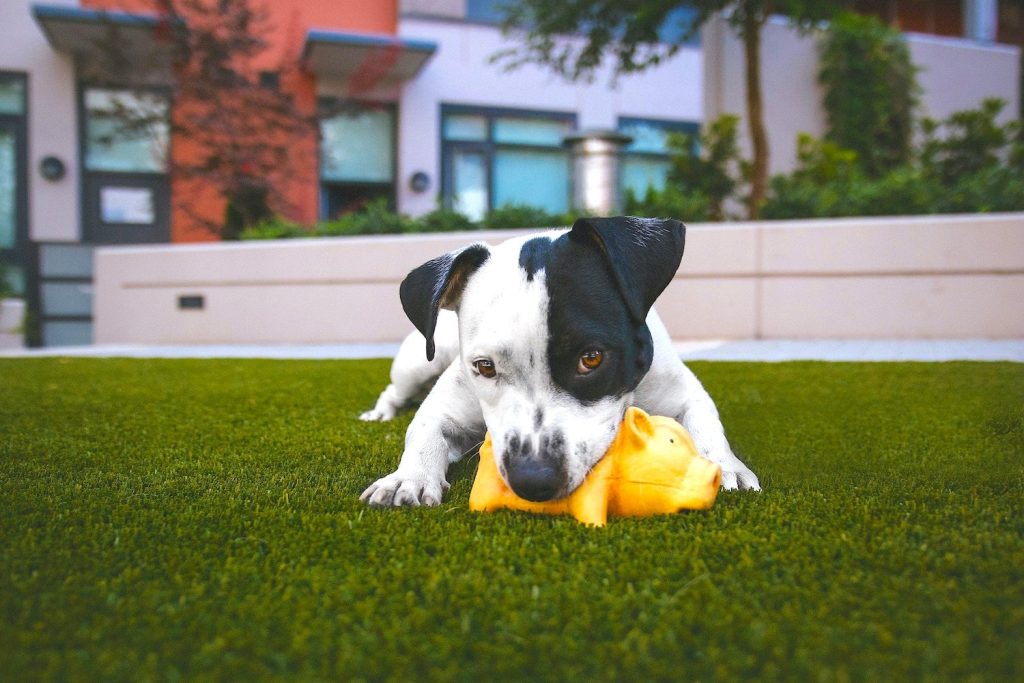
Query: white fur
503, 316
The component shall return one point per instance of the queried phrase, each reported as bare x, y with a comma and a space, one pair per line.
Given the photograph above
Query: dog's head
553, 338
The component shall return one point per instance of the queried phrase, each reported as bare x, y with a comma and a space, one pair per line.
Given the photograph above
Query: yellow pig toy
651, 468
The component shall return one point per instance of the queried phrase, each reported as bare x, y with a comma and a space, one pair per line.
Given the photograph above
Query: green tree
630, 32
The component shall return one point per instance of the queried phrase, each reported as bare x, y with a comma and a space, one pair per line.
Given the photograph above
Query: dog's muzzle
535, 476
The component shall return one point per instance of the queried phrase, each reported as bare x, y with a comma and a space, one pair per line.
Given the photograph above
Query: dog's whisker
472, 448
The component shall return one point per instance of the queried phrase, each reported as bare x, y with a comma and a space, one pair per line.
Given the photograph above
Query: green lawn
200, 520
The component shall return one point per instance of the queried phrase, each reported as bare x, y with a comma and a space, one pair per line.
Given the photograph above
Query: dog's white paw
735, 475
405, 489
377, 415
742, 479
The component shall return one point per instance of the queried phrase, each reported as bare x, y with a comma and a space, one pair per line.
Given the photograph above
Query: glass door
125, 186
13, 189
9, 143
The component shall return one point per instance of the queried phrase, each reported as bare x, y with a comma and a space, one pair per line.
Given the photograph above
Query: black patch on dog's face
533, 256
586, 311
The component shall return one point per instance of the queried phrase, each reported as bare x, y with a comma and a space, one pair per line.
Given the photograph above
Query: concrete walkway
751, 350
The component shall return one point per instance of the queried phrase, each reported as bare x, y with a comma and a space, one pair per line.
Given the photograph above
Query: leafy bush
702, 177
275, 228
444, 220
522, 216
870, 91
375, 219
974, 141
977, 166
669, 202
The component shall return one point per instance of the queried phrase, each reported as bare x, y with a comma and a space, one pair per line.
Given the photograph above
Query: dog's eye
485, 367
589, 360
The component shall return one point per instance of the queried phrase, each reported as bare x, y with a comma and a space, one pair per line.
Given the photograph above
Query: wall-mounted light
419, 182
52, 168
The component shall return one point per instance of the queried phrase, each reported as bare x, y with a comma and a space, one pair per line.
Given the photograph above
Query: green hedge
378, 219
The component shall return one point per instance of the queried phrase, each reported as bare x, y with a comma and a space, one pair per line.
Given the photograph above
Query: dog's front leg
699, 415
447, 424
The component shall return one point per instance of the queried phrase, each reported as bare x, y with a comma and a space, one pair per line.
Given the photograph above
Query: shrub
669, 203
522, 216
713, 169
375, 219
704, 175
444, 220
974, 141
871, 91
976, 166
273, 229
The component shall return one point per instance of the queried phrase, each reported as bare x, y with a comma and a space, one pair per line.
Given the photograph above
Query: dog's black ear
643, 253
437, 284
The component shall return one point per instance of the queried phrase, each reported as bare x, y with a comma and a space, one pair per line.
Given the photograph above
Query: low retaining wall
912, 278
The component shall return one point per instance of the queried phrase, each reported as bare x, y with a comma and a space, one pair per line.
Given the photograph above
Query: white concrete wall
914, 278
460, 72
955, 74
53, 207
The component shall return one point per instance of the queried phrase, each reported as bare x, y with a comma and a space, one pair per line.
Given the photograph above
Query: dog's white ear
437, 284
643, 253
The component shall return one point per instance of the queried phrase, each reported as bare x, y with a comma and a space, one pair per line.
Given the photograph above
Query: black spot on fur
602, 278
534, 255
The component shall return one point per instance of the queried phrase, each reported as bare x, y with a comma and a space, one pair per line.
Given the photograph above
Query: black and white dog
544, 341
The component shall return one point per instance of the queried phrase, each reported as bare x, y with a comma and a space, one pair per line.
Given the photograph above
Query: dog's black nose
535, 480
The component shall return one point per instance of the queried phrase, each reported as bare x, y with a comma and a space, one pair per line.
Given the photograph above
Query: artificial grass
199, 519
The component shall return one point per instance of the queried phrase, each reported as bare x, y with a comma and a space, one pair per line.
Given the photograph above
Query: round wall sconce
419, 182
52, 168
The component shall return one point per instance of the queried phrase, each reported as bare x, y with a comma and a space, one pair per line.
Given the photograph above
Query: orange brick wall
288, 23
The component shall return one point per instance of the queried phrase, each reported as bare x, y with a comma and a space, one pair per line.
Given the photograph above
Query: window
485, 11
494, 158
357, 157
12, 95
677, 27
646, 160
126, 131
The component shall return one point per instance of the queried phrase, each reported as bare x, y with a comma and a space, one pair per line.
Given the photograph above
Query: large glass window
646, 160
495, 158
678, 26
126, 131
357, 156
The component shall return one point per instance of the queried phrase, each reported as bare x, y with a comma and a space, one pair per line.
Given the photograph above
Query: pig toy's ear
638, 427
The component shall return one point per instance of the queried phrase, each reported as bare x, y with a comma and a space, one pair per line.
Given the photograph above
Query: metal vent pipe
596, 156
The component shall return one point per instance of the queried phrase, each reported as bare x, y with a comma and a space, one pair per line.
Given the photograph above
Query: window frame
489, 147
389, 189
